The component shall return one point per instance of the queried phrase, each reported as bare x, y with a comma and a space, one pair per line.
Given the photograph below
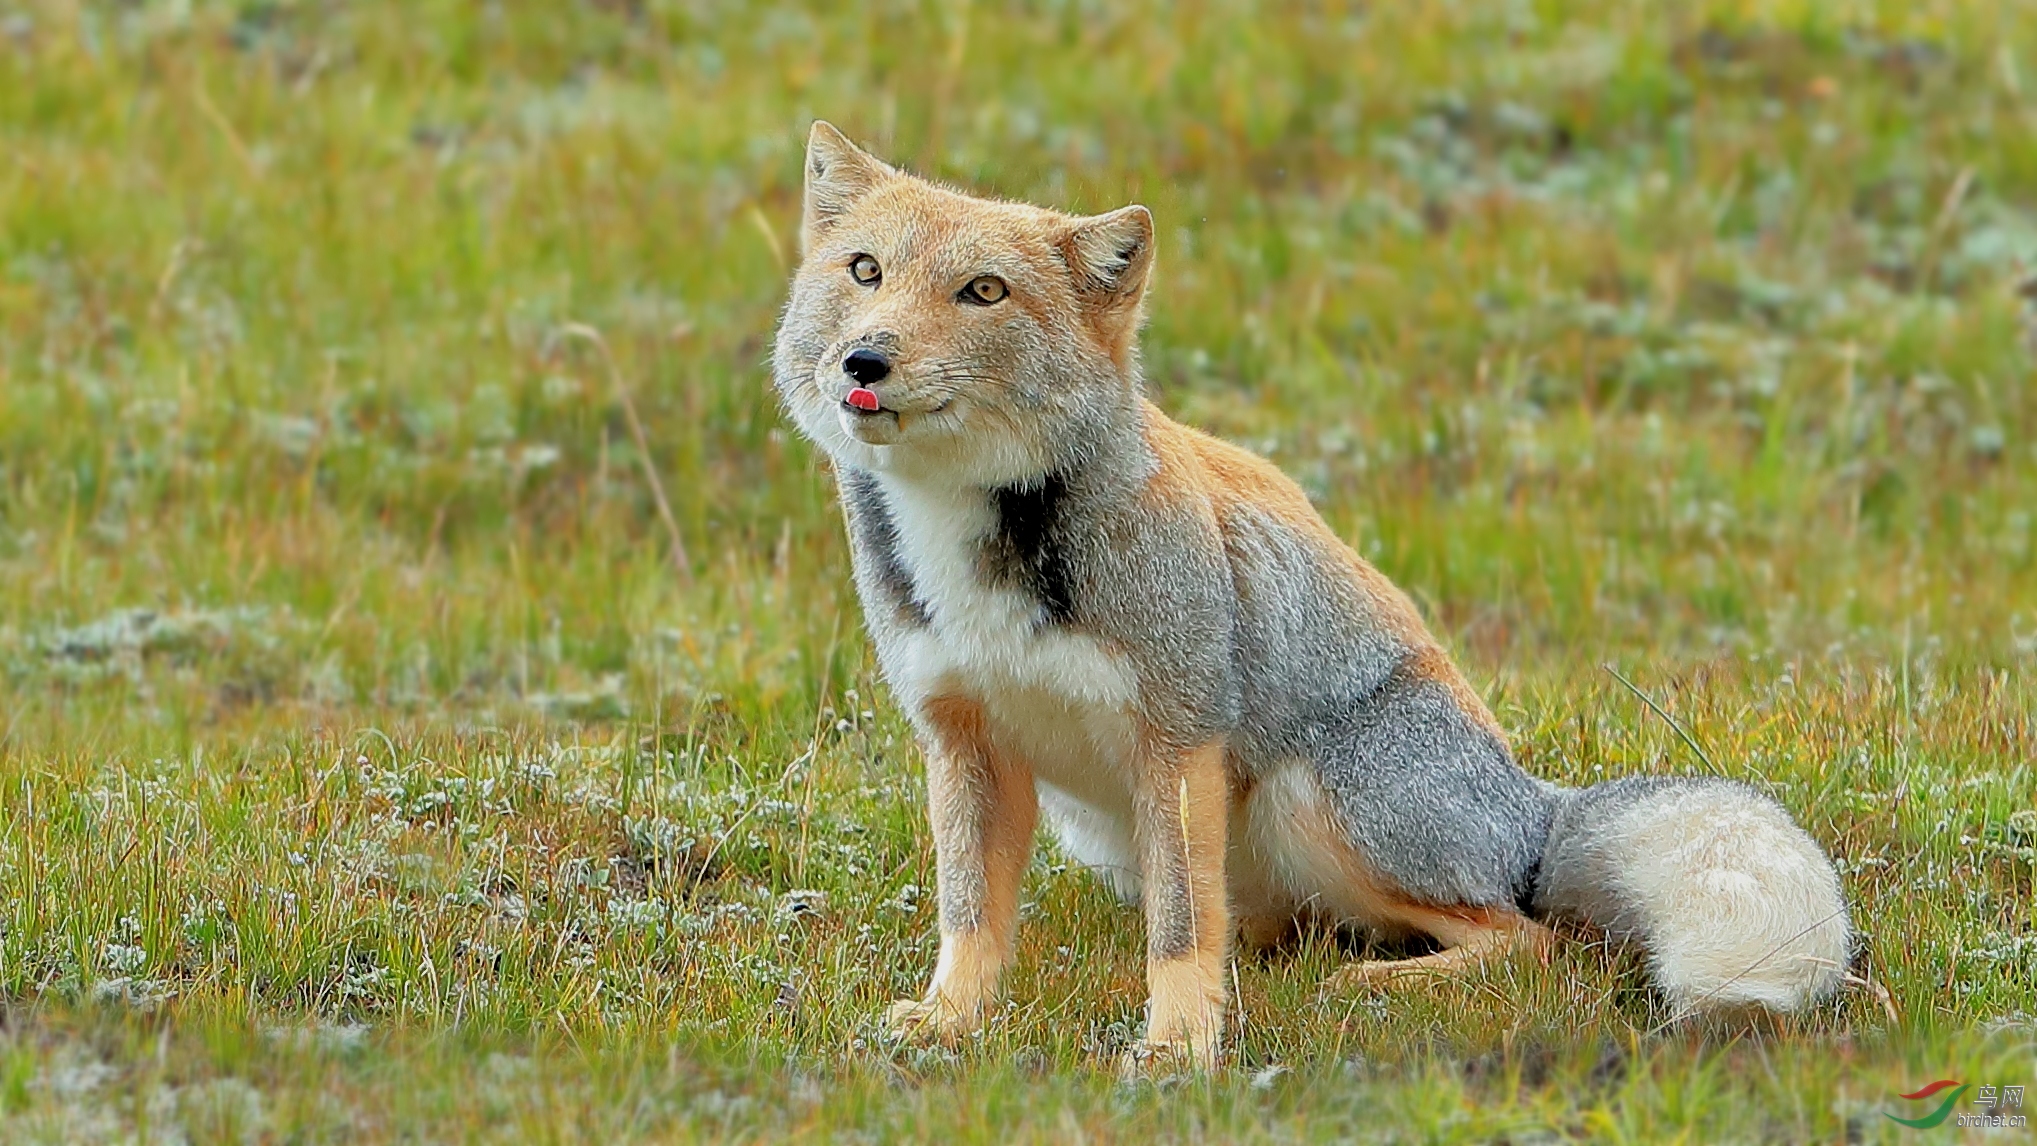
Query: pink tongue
863, 398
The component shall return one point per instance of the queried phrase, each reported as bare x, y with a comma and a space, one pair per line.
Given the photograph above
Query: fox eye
865, 270
984, 290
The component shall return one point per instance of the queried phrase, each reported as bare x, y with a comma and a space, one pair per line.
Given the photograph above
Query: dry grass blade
1675, 725
681, 562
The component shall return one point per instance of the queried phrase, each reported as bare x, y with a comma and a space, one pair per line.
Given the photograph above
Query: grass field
378, 762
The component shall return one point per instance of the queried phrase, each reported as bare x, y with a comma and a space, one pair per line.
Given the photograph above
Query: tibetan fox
1148, 635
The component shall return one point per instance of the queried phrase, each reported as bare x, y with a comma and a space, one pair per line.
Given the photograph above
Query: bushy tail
1734, 904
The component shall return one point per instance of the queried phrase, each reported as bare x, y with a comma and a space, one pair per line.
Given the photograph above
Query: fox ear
1111, 256
837, 174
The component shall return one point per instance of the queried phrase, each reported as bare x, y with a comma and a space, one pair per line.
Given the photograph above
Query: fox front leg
1183, 809
983, 808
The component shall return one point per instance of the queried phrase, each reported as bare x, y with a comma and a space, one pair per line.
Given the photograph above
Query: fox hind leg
1296, 842
1470, 939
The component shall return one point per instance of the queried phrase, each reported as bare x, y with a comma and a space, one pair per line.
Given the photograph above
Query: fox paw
1376, 974
1152, 1060
930, 1020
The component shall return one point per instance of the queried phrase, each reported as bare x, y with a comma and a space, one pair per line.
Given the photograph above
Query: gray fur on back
1429, 795
1454, 820
1267, 638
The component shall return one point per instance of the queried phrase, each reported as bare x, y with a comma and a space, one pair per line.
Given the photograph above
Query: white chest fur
1056, 697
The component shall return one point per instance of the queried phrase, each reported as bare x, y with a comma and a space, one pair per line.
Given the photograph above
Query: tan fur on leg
1184, 811
965, 981
983, 808
1185, 1016
1469, 941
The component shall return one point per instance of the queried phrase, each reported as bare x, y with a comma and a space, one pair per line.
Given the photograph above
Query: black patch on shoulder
1024, 549
871, 524
1524, 891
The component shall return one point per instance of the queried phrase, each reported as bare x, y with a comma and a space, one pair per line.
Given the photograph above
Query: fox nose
866, 366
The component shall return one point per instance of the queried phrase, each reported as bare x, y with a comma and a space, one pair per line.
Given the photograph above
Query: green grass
368, 772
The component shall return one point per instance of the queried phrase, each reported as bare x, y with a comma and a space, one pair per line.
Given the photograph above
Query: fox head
999, 339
